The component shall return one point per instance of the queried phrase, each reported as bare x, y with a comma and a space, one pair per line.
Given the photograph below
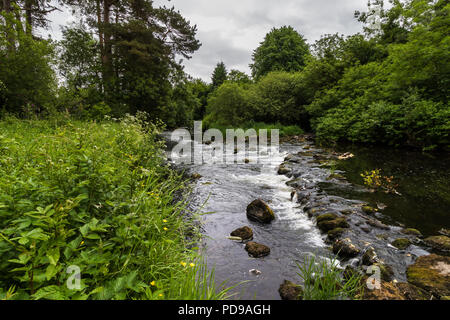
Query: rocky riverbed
285, 203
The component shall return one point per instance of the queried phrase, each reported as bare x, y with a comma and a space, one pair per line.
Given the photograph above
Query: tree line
388, 85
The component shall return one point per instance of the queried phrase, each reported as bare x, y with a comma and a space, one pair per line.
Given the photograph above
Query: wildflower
153, 283
161, 295
183, 263
165, 229
82, 242
165, 221
192, 265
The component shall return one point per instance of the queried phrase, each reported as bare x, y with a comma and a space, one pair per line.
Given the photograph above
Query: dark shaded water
423, 181
224, 191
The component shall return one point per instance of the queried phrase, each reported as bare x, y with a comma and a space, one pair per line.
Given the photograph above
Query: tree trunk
29, 15
9, 29
107, 38
100, 35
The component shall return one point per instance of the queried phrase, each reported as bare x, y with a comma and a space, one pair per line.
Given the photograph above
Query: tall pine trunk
9, 29
29, 15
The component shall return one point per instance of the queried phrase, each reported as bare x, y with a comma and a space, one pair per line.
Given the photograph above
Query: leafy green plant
97, 196
323, 280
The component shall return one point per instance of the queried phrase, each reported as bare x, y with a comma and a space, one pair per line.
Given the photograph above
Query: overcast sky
230, 30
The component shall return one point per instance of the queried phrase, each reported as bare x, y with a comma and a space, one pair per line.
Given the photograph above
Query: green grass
284, 130
323, 280
97, 196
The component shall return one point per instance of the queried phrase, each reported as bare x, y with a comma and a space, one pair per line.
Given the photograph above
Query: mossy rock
412, 292
401, 243
412, 232
290, 291
335, 233
369, 209
328, 225
431, 273
439, 243
345, 248
326, 216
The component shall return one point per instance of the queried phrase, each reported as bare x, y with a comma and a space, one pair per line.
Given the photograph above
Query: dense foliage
283, 49
389, 86
98, 197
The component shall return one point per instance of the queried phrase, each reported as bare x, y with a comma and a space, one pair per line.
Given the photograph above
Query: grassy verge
284, 130
93, 197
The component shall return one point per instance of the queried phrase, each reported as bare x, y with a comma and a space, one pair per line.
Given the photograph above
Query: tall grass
97, 196
323, 280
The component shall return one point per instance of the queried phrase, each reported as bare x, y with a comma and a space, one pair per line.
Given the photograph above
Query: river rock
326, 217
386, 271
345, 248
439, 243
259, 211
431, 273
335, 233
257, 250
412, 292
401, 243
377, 224
290, 291
327, 225
283, 170
369, 210
387, 291
412, 232
369, 257
245, 233
196, 176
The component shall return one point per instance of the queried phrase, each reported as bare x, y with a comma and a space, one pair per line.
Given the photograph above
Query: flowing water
224, 191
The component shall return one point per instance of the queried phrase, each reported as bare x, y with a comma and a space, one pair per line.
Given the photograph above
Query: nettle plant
92, 195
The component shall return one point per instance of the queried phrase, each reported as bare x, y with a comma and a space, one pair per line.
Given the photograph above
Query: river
223, 192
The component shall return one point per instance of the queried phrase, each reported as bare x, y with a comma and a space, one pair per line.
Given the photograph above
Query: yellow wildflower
183, 263
153, 283
192, 265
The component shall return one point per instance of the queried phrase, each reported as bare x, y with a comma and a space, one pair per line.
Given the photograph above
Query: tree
219, 75
239, 77
138, 44
26, 72
283, 49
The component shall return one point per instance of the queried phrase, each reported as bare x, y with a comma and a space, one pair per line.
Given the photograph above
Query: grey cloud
230, 30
